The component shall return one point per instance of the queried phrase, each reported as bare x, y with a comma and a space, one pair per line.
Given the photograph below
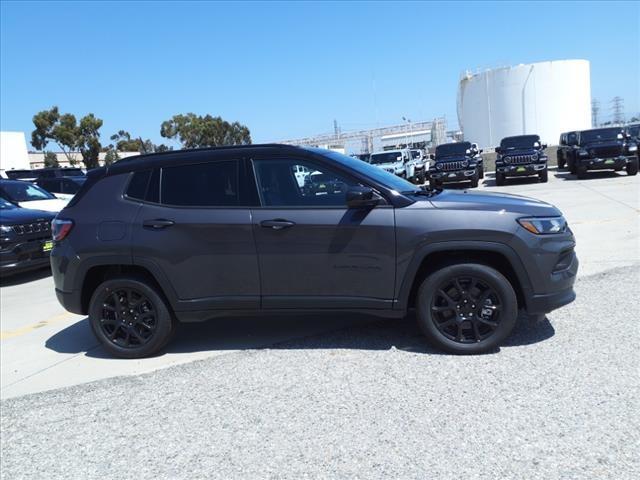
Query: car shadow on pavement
344, 331
490, 180
24, 277
591, 175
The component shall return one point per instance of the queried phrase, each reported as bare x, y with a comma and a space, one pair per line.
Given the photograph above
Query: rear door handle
277, 224
157, 223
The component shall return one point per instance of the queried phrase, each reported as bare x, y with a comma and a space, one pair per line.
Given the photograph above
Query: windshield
6, 205
386, 157
522, 141
416, 154
25, 192
599, 135
449, 149
73, 172
634, 130
380, 176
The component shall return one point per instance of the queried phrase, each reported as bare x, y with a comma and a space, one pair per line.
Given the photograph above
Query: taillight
60, 228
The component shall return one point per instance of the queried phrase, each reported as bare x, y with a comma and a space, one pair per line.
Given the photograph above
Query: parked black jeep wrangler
455, 162
604, 149
567, 141
521, 156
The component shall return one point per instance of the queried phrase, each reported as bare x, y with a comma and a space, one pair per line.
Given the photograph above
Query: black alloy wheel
466, 308
128, 318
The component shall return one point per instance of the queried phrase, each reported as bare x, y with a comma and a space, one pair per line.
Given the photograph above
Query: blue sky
289, 69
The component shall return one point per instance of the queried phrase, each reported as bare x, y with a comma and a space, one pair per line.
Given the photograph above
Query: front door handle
277, 224
157, 224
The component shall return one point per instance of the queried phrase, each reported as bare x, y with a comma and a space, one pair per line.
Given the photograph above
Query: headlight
583, 153
544, 225
633, 148
506, 159
5, 229
466, 163
439, 167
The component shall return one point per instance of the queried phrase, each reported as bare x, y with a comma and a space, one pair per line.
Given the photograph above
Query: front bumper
521, 170
23, 256
455, 176
598, 163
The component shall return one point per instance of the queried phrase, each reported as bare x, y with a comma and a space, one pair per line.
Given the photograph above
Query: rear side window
213, 184
138, 185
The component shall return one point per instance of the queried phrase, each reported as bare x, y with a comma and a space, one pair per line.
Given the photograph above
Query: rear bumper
521, 170
71, 301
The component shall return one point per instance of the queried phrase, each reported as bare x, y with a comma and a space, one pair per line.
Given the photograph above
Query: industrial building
545, 98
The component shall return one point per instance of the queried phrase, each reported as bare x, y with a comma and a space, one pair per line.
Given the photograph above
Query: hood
493, 202
52, 205
17, 216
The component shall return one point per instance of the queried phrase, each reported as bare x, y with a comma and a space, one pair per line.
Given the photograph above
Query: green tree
51, 160
194, 131
125, 143
68, 134
111, 156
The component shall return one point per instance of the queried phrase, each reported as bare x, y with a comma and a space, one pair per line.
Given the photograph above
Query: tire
561, 164
581, 172
483, 327
481, 172
136, 338
474, 181
435, 184
499, 179
632, 167
572, 168
544, 176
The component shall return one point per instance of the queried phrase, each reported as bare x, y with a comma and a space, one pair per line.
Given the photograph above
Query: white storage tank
545, 98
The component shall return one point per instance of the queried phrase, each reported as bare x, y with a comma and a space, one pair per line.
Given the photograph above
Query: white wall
13, 151
545, 98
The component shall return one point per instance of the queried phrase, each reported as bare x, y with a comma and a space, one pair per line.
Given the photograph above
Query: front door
313, 251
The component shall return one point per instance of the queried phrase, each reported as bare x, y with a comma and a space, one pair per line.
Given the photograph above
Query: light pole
409, 130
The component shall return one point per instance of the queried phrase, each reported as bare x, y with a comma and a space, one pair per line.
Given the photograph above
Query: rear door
195, 228
313, 251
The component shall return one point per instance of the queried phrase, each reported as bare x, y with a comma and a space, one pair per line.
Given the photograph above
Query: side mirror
480, 151
543, 146
358, 197
497, 149
432, 156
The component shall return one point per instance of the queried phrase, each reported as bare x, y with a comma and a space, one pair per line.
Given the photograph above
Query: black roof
170, 157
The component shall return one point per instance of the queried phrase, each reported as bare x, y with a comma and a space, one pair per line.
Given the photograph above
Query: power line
595, 109
617, 108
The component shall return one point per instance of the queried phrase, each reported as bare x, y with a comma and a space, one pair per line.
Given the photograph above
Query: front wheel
474, 180
481, 172
632, 167
499, 179
466, 308
130, 318
544, 176
581, 172
433, 183
561, 164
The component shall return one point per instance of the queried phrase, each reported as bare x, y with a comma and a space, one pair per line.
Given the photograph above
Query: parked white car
406, 163
28, 195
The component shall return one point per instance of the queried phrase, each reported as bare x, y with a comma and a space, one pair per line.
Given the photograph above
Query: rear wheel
632, 167
466, 308
499, 179
130, 318
544, 176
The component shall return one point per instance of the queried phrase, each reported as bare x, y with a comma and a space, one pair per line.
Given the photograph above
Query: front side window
298, 183
212, 184
25, 192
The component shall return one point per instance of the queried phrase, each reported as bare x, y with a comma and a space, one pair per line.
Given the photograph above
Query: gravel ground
559, 401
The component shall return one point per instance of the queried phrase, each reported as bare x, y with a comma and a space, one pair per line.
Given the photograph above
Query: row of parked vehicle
29, 200
517, 156
611, 148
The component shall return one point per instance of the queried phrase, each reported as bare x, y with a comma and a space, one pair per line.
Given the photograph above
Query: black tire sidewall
495, 280
164, 319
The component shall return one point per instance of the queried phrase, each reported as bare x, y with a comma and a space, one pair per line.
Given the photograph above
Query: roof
153, 160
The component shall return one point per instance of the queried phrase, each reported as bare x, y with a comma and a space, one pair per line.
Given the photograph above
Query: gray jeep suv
186, 236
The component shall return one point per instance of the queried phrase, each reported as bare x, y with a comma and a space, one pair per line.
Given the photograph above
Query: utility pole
617, 108
595, 109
